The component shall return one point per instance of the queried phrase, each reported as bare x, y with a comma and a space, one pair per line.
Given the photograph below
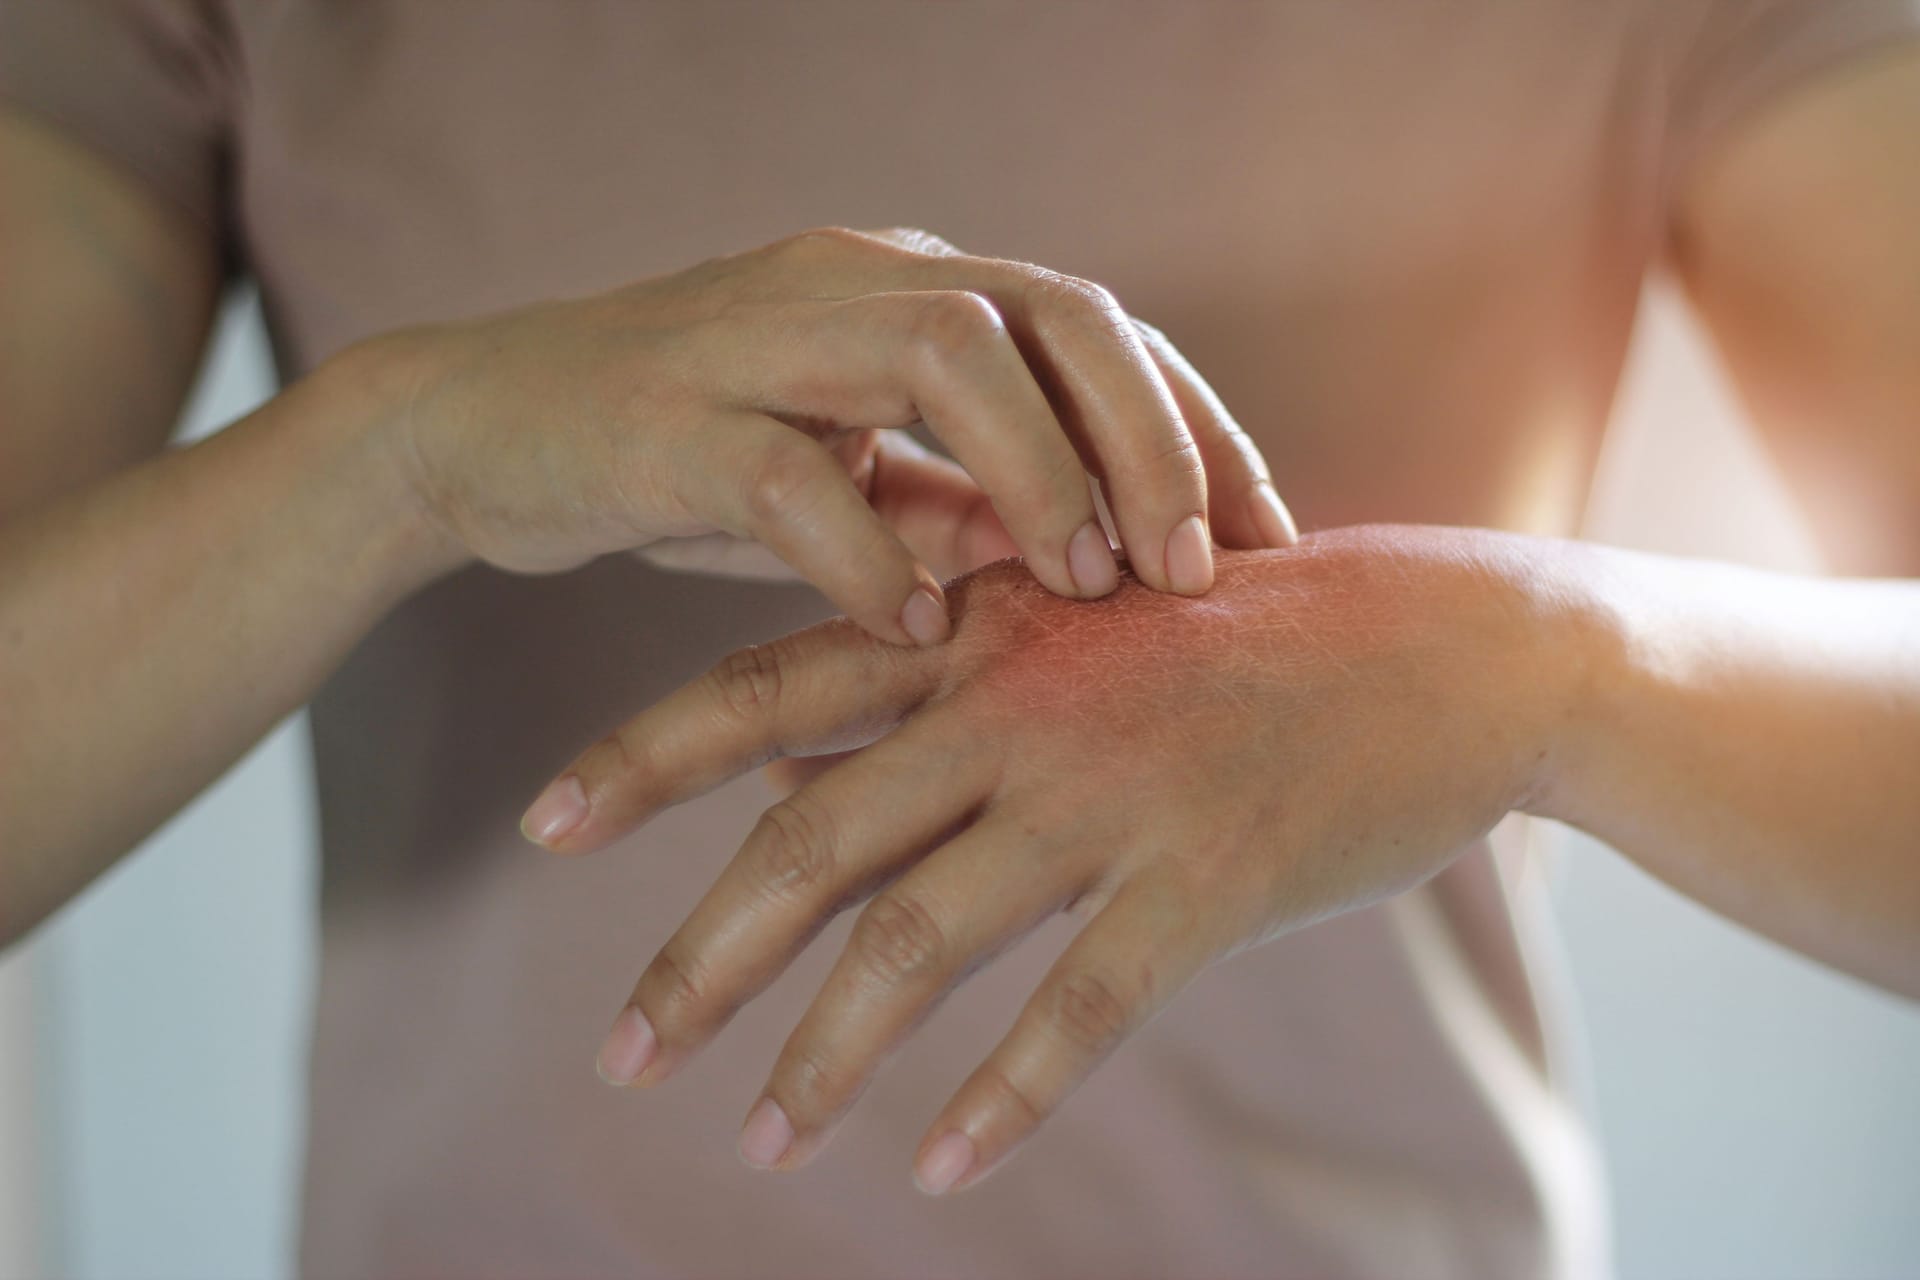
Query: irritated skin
1331, 724
161, 609
1193, 776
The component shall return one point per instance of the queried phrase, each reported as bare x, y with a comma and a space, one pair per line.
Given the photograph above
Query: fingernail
924, 618
1090, 561
629, 1047
558, 810
766, 1135
1189, 559
944, 1164
1270, 517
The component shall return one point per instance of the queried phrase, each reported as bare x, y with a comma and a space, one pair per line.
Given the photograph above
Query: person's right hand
744, 397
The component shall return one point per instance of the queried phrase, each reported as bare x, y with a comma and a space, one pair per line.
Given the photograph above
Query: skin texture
1331, 724
1749, 738
139, 665
710, 404
740, 401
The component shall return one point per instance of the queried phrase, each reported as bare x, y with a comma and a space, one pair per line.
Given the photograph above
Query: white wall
20, 1236
1762, 1114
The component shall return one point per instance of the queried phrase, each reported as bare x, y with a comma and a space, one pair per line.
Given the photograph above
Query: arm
158, 612
1757, 744
1337, 721
1753, 739
1330, 726
1795, 238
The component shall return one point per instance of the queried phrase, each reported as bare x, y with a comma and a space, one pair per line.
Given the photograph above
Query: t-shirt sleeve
148, 83
1741, 54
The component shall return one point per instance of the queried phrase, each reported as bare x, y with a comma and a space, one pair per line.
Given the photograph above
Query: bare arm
1753, 739
158, 611
1338, 720
1757, 743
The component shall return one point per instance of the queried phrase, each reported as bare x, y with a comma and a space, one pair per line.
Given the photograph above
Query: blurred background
1760, 1115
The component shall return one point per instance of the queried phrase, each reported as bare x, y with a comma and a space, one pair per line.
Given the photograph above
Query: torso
1404, 241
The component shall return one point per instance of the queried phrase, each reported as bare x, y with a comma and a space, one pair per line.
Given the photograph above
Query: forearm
156, 624
1753, 739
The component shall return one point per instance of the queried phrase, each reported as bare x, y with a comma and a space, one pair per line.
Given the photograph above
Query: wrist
364, 395
1581, 665
1516, 634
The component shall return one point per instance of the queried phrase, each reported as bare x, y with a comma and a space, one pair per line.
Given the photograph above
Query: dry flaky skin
1256, 718
1329, 725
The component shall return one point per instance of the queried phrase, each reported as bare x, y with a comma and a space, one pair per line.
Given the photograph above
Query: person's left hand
1329, 725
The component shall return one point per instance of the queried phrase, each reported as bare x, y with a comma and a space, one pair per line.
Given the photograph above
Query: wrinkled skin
1330, 725
742, 415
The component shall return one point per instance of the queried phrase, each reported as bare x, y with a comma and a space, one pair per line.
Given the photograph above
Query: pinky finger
1245, 511
1116, 975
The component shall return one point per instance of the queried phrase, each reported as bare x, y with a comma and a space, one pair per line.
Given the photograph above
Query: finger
1132, 958
828, 688
1114, 403
945, 918
1096, 371
790, 773
809, 856
944, 357
718, 554
760, 478
1245, 511
936, 508
1090, 364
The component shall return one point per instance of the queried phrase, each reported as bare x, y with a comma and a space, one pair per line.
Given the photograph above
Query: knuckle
951, 326
921, 241
1173, 463
748, 681
1152, 335
818, 242
679, 989
1087, 1010
1069, 299
1057, 488
1241, 448
897, 937
794, 848
1063, 481
621, 754
782, 478
1007, 1095
808, 1085
1178, 455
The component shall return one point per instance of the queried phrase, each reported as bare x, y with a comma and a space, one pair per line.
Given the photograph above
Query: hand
1328, 726
739, 398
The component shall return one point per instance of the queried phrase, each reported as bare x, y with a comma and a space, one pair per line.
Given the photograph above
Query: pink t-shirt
1403, 239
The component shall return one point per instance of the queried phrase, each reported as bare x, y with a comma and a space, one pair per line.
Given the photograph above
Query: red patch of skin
1149, 669
1041, 656
1333, 691
1331, 724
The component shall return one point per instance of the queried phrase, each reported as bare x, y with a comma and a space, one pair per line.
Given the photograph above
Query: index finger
831, 687
1122, 416
1095, 370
